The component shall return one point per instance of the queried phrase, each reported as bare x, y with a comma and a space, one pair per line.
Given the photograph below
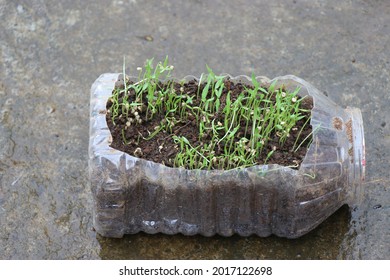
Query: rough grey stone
51, 52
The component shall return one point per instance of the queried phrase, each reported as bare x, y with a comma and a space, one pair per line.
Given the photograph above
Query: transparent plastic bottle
132, 194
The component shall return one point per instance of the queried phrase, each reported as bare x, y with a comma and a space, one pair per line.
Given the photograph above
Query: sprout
236, 126
138, 152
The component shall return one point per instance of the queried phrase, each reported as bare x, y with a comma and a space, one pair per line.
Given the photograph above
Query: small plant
235, 125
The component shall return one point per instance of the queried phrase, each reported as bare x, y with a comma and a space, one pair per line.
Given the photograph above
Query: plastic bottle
132, 194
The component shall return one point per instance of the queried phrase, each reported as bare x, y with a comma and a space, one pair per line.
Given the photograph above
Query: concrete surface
51, 52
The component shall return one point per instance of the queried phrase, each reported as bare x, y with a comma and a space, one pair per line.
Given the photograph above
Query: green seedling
233, 131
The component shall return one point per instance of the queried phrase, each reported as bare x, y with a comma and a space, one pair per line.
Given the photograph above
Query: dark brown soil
161, 148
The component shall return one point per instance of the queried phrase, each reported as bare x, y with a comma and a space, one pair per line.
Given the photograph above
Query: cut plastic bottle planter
132, 195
